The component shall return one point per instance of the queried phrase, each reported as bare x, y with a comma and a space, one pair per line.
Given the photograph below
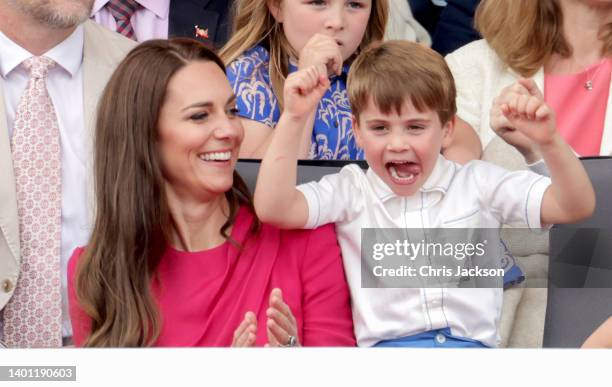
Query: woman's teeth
216, 156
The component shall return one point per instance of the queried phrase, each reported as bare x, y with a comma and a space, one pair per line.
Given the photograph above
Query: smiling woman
177, 256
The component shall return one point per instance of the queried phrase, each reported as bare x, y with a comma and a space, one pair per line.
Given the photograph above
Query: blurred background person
54, 65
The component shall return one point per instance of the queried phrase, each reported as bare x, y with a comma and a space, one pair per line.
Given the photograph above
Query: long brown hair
132, 224
525, 33
254, 24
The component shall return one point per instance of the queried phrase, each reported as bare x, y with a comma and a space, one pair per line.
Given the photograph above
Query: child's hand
321, 50
502, 127
303, 90
527, 114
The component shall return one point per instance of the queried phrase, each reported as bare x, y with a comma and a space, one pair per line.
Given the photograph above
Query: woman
565, 45
176, 256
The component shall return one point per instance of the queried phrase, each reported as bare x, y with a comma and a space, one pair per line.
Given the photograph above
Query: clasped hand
280, 325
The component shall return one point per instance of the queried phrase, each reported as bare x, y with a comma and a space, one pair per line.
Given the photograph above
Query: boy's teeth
216, 156
397, 176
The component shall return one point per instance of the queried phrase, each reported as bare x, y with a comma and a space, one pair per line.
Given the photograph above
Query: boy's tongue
405, 169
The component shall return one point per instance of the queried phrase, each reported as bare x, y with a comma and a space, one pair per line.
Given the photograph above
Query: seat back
308, 170
580, 268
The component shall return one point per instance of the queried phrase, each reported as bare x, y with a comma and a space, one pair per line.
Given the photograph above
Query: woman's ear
274, 6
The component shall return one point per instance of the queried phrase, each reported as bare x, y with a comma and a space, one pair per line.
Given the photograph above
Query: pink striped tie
122, 11
33, 316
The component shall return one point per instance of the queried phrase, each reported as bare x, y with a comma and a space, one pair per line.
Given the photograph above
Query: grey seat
308, 170
580, 268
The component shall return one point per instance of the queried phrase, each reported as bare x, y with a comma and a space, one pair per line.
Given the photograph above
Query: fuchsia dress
204, 295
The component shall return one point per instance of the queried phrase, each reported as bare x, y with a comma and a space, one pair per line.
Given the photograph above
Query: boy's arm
570, 197
277, 201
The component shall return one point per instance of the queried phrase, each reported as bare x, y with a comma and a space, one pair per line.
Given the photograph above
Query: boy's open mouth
403, 172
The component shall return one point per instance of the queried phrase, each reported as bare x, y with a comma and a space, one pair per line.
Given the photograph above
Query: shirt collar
160, 8
439, 180
68, 54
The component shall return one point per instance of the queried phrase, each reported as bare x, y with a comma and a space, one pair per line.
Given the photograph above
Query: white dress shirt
477, 195
150, 21
65, 86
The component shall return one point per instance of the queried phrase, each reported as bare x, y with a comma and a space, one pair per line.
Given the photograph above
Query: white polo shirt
476, 195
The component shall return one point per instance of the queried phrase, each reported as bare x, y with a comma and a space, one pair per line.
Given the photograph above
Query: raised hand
281, 325
530, 121
245, 334
321, 50
303, 91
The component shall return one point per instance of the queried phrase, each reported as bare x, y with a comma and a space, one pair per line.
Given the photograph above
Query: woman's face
199, 132
345, 21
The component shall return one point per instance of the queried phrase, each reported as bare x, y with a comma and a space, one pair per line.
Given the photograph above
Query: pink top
203, 296
580, 112
150, 21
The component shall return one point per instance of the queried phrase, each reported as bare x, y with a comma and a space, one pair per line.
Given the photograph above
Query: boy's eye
198, 116
416, 127
378, 128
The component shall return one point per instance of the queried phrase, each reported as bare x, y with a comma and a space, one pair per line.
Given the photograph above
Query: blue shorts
437, 338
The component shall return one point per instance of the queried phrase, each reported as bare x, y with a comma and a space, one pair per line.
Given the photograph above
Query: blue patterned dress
332, 136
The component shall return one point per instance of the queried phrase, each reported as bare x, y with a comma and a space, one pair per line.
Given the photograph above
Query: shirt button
7, 286
440, 338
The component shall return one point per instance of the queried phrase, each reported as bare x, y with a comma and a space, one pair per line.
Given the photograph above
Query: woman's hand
303, 91
245, 334
282, 327
321, 50
515, 95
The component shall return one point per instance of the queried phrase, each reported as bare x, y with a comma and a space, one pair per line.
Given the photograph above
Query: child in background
403, 102
274, 38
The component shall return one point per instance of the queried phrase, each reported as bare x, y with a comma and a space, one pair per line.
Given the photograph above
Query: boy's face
402, 148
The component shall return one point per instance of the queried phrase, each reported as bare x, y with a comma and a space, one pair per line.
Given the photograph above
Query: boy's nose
397, 143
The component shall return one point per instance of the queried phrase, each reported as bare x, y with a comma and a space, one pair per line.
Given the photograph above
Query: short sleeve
334, 198
327, 319
468, 79
81, 322
250, 81
514, 197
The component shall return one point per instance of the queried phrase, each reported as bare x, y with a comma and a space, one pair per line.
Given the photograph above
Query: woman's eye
198, 116
316, 2
355, 4
234, 111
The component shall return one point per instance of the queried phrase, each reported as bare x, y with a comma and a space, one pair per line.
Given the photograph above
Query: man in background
54, 64
205, 20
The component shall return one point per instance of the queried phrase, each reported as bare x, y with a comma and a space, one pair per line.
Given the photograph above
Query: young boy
403, 103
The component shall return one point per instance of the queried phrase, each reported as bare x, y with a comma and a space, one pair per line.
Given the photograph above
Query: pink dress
580, 112
204, 295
